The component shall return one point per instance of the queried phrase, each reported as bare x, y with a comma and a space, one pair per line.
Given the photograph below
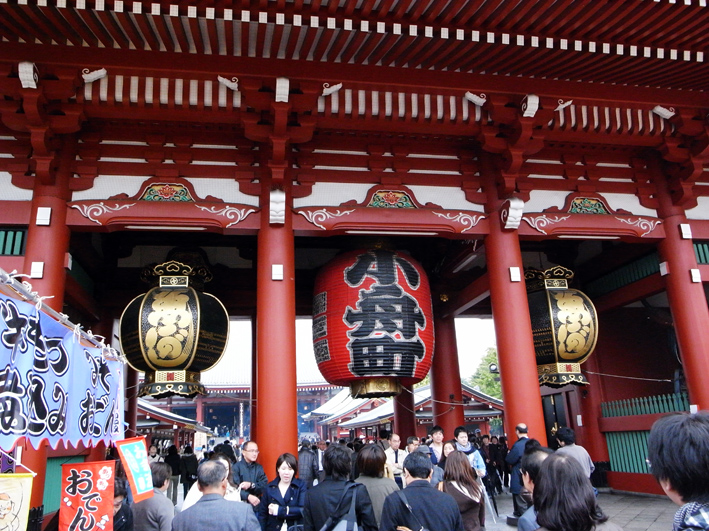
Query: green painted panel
702, 252
53, 483
629, 273
12, 242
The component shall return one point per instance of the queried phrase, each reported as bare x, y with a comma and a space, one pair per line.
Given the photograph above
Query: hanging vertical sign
87, 496
15, 492
134, 456
40, 361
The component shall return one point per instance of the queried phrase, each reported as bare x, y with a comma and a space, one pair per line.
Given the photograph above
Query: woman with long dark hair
448, 448
283, 499
461, 483
564, 498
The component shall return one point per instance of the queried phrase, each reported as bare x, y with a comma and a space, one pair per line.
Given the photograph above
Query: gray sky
474, 337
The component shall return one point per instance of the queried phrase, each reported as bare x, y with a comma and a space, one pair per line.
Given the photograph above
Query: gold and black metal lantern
564, 326
174, 332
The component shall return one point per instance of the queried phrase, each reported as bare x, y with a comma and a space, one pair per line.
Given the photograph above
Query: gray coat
154, 513
212, 511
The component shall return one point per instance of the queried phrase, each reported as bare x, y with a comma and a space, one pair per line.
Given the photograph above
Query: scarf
691, 515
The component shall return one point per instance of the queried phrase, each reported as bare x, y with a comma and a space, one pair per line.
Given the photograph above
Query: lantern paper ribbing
373, 322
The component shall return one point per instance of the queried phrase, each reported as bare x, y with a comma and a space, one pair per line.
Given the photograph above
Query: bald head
521, 429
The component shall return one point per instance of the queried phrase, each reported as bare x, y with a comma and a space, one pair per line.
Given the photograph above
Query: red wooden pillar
405, 414
513, 330
445, 378
688, 302
589, 435
97, 452
132, 402
48, 234
199, 414
276, 384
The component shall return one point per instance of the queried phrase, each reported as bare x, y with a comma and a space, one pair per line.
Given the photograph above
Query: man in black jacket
429, 507
307, 464
332, 497
249, 475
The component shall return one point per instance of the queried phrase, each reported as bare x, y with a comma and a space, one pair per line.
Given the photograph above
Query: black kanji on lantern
385, 339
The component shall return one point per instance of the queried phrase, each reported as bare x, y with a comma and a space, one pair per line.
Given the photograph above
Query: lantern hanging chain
3, 452
24, 290
629, 377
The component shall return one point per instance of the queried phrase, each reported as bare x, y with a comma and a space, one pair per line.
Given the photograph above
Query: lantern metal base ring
375, 387
162, 384
560, 374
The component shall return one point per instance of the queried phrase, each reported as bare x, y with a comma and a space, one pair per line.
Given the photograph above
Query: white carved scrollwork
464, 219
237, 214
232, 84
97, 209
539, 222
277, 207
530, 105
644, 224
28, 74
92, 76
511, 213
328, 89
315, 216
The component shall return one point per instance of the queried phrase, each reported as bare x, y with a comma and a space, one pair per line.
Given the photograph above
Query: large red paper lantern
373, 322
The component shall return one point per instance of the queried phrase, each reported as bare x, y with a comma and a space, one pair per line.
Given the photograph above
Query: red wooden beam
630, 293
359, 75
474, 293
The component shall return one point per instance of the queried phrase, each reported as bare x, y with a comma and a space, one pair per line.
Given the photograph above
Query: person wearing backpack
337, 499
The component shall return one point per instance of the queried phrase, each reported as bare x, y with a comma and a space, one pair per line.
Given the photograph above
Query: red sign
87, 496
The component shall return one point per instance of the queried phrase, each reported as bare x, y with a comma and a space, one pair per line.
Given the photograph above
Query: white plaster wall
10, 192
448, 197
630, 203
701, 211
540, 200
334, 194
106, 186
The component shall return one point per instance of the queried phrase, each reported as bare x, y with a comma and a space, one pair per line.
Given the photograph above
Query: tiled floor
631, 512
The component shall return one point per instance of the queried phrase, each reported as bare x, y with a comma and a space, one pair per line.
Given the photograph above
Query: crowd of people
433, 484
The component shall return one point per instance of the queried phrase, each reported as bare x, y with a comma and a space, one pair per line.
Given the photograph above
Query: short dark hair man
531, 463
678, 457
427, 506
567, 446
249, 475
155, 513
514, 459
212, 511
